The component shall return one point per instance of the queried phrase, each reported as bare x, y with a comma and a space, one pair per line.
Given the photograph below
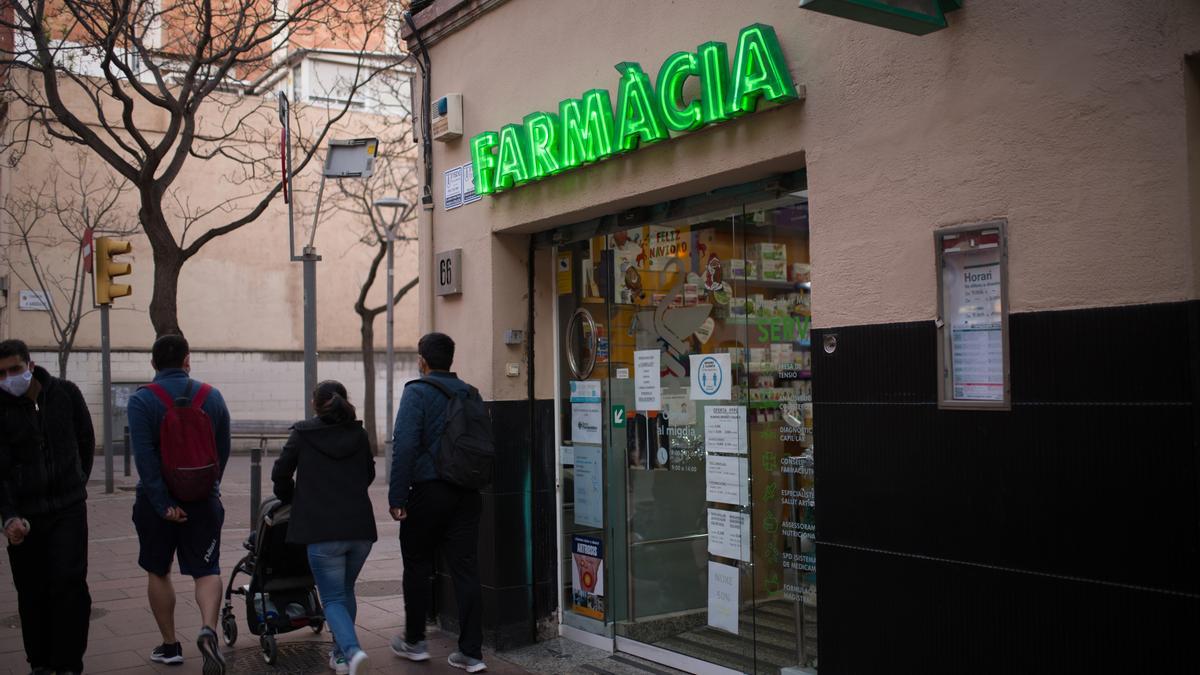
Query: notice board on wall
973, 316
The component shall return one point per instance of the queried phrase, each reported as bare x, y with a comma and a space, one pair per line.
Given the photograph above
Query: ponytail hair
331, 402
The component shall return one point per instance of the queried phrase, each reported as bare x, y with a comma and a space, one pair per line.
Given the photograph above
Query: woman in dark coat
331, 510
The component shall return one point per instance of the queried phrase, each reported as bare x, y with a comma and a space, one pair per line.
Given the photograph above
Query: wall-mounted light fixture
917, 17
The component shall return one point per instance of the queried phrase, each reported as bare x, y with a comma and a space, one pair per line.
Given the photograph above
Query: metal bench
264, 431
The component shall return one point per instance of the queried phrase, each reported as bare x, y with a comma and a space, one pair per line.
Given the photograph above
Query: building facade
813, 345
240, 298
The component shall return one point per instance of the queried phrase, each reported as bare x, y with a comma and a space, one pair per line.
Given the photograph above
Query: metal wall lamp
918, 17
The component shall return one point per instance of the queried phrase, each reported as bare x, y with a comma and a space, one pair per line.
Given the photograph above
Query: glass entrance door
688, 500
671, 310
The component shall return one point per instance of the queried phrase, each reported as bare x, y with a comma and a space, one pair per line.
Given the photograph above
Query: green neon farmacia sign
587, 129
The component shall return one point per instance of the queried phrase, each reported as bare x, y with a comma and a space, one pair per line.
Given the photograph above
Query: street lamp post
398, 207
354, 158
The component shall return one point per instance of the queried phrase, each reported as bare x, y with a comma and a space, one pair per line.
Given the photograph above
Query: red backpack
190, 465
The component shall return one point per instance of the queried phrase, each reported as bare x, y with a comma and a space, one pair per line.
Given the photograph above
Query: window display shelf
782, 374
776, 285
793, 374
768, 405
754, 320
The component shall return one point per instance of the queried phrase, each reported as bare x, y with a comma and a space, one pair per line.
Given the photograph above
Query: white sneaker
338, 664
460, 660
360, 664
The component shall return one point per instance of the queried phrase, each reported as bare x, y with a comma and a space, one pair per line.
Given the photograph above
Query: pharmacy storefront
787, 368
686, 425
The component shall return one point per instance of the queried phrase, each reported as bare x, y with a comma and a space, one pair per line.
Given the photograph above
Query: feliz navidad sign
588, 129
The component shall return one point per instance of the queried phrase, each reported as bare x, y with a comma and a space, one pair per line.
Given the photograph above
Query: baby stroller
281, 596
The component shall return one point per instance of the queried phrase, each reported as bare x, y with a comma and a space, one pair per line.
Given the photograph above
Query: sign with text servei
587, 129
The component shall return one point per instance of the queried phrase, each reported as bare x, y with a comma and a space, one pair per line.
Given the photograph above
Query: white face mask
17, 385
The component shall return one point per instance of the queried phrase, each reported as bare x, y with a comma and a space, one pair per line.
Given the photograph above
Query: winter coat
420, 421
46, 448
333, 467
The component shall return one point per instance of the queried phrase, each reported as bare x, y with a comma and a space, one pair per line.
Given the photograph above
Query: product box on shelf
758, 355
752, 270
691, 294
737, 268
773, 270
764, 252
781, 354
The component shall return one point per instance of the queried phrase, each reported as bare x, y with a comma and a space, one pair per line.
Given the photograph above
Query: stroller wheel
269, 649
317, 626
229, 628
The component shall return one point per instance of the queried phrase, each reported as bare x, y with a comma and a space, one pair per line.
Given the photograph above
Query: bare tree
395, 176
48, 225
154, 86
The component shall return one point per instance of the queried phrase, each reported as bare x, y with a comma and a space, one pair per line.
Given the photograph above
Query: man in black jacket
434, 513
46, 449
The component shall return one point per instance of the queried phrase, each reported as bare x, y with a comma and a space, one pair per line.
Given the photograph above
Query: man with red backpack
179, 430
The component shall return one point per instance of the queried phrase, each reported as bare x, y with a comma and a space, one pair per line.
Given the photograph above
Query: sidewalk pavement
123, 631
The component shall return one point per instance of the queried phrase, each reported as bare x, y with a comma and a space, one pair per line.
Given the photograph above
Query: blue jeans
335, 566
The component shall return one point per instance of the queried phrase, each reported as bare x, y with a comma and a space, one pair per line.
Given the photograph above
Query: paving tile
98, 631
369, 639
12, 645
140, 642
105, 594
123, 584
394, 604
380, 622
122, 602
115, 661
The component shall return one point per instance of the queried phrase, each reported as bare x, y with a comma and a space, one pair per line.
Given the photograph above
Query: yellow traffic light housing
106, 269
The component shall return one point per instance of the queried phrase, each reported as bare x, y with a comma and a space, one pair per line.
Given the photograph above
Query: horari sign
587, 129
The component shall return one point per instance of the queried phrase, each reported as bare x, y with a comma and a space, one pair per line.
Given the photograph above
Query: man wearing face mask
46, 448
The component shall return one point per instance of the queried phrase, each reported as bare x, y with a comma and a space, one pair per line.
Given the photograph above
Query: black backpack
467, 453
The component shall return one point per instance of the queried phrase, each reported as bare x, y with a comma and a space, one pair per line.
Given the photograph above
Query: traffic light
106, 269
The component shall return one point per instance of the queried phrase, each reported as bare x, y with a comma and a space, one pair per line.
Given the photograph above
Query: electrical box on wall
447, 118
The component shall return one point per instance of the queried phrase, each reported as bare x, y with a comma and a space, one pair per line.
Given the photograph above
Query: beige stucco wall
1067, 118
240, 292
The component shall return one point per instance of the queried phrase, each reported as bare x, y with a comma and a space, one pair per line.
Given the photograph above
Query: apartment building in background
240, 297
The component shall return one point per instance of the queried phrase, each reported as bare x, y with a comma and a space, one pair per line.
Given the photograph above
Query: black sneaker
214, 662
169, 654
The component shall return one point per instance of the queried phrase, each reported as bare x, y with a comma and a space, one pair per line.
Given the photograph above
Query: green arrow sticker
618, 416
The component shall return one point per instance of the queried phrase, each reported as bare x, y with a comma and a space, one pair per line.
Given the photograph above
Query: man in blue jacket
167, 528
433, 512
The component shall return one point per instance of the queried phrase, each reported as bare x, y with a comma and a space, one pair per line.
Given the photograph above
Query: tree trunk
164, 301
64, 354
168, 261
368, 358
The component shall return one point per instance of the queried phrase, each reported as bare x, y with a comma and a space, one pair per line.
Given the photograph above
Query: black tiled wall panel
517, 550
1062, 533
